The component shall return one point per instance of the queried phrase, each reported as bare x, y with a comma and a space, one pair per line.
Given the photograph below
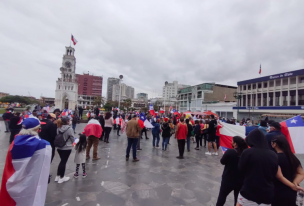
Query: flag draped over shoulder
26, 172
143, 122
93, 128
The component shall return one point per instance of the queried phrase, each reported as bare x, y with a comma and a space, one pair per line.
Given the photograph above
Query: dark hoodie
166, 130
48, 131
259, 165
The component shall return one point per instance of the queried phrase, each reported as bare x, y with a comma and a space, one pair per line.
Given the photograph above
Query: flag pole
70, 40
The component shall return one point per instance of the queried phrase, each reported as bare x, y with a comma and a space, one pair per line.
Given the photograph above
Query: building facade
2, 94
67, 86
47, 100
89, 84
111, 81
170, 89
279, 93
126, 92
195, 97
143, 96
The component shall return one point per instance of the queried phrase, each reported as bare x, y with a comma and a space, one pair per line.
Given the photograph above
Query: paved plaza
157, 179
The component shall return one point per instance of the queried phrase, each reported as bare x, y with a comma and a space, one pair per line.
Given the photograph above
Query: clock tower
66, 93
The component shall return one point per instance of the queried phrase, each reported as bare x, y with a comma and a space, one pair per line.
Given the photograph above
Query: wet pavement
157, 179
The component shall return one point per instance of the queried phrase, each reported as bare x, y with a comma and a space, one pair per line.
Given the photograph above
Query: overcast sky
149, 42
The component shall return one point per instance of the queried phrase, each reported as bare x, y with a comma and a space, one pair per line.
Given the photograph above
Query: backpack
59, 139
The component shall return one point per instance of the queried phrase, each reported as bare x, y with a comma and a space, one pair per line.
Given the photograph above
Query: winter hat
30, 123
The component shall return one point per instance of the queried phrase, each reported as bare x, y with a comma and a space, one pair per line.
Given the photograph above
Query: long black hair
241, 144
284, 145
108, 115
82, 144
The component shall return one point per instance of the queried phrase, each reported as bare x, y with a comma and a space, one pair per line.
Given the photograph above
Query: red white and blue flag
151, 110
224, 149
74, 40
161, 111
93, 128
28, 115
143, 122
26, 172
65, 112
260, 71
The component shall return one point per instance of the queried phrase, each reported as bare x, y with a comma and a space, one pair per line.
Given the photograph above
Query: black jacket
7, 116
231, 171
197, 130
166, 130
259, 165
101, 121
270, 135
48, 131
13, 125
190, 129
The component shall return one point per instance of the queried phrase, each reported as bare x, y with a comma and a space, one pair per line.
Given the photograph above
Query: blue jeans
74, 127
188, 143
165, 142
132, 142
157, 138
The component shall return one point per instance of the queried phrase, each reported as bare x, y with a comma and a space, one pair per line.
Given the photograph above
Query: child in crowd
80, 155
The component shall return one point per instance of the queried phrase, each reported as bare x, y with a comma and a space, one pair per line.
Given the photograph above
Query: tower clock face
68, 64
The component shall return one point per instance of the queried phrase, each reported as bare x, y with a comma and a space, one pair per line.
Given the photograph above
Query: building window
265, 84
244, 87
199, 94
302, 80
259, 85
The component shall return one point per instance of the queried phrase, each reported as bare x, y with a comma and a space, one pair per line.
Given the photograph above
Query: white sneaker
207, 153
216, 154
64, 179
213, 153
57, 178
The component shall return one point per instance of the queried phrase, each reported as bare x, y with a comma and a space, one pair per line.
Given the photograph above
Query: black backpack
59, 140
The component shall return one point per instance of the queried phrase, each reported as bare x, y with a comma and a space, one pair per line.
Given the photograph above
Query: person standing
232, 180
274, 130
144, 130
108, 126
189, 134
80, 109
65, 151
117, 121
291, 169
180, 135
80, 155
166, 134
93, 131
6, 117
133, 130
263, 127
155, 133
102, 123
198, 135
74, 122
15, 126
211, 136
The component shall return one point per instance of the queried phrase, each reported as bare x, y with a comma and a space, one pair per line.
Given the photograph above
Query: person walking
80, 155
144, 130
232, 180
117, 121
108, 126
6, 117
180, 135
198, 135
166, 134
15, 126
74, 122
133, 130
155, 133
93, 131
80, 109
65, 151
211, 136
189, 134
291, 169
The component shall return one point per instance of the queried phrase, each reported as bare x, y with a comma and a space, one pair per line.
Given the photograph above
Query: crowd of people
260, 169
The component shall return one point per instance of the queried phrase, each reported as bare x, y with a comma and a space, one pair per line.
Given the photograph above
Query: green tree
127, 103
98, 100
19, 99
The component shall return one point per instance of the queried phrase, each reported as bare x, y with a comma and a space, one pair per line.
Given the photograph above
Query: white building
170, 89
66, 92
127, 92
111, 81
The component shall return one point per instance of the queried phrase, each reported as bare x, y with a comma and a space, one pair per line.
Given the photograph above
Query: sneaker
57, 178
213, 153
64, 179
84, 175
76, 175
178, 157
135, 160
208, 153
96, 158
139, 149
216, 154
196, 148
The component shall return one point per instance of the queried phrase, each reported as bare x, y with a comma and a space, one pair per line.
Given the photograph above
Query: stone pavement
157, 179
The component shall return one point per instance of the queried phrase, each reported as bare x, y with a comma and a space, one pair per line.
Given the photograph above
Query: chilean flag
73, 40
26, 172
260, 72
293, 129
224, 149
65, 112
93, 128
151, 110
20, 121
161, 110
29, 114
143, 122
88, 115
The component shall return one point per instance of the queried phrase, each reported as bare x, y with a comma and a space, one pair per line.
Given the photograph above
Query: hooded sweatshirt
166, 130
68, 133
156, 129
259, 166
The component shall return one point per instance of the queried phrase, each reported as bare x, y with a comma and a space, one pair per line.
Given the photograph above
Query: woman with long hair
80, 155
205, 132
189, 134
65, 151
108, 126
232, 180
291, 169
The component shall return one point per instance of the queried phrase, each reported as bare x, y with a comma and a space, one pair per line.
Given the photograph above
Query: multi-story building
275, 94
127, 92
143, 96
111, 81
197, 97
89, 84
47, 100
170, 89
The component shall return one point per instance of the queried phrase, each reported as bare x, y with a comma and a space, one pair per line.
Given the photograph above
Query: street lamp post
238, 96
120, 79
189, 100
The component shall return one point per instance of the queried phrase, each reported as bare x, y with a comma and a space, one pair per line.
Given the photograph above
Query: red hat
166, 119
